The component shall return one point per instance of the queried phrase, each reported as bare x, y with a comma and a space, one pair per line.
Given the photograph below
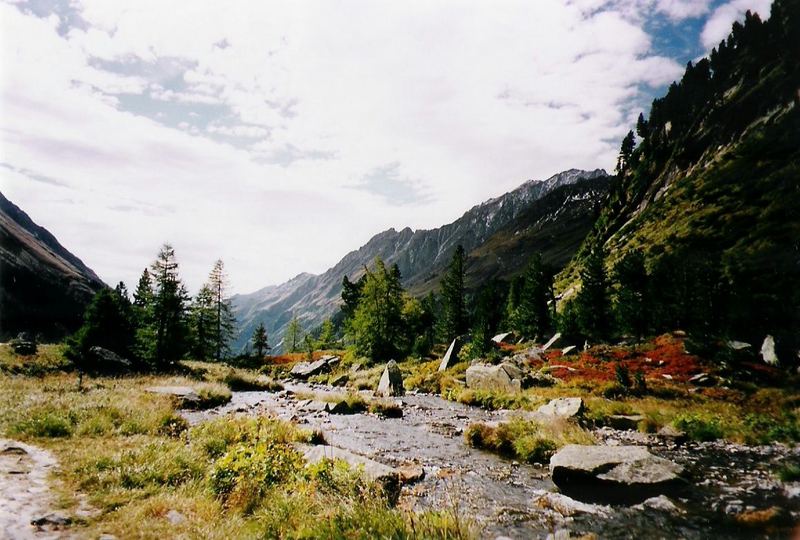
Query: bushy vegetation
527, 440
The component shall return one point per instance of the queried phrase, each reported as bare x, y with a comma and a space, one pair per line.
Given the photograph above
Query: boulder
184, 395
551, 341
304, 370
493, 378
107, 359
356, 367
387, 477
452, 353
625, 422
331, 360
24, 344
562, 408
768, 351
339, 380
673, 434
540, 379
738, 345
614, 474
391, 383
505, 337
410, 473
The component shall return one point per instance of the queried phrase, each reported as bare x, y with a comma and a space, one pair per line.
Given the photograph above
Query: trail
24, 491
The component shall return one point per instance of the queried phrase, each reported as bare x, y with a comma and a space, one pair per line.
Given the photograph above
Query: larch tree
592, 302
203, 324
224, 324
294, 336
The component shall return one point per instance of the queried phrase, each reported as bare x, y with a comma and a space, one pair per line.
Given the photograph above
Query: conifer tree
377, 322
631, 305
625, 152
260, 340
454, 311
533, 314
224, 323
592, 301
169, 309
327, 335
143, 305
294, 336
203, 324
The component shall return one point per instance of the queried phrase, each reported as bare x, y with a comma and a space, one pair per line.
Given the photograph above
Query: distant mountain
422, 255
44, 288
716, 178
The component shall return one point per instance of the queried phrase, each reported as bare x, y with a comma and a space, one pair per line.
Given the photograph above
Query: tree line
160, 323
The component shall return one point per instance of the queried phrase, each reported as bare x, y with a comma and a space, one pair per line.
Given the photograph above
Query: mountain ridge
420, 254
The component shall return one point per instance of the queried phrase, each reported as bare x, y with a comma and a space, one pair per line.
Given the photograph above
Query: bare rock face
304, 370
391, 383
614, 474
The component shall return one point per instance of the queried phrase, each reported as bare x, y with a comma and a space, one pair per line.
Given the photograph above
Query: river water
506, 498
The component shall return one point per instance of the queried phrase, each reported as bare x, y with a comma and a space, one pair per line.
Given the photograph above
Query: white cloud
683, 9
718, 25
463, 101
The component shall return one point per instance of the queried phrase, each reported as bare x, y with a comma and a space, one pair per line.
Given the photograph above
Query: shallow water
519, 500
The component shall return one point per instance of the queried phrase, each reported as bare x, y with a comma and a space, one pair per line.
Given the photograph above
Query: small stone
54, 520
768, 351
175, 517
410, 473
562, 408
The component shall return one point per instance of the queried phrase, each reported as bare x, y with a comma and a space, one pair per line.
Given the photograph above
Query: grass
48, 359
135, 460
527, 440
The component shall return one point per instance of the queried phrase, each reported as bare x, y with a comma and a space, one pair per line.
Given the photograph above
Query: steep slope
43, 287
421, 256
716, 179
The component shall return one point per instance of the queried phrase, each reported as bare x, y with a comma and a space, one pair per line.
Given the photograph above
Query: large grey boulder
109, 359
452, 353
768, 351
503, 378
304, 370
387, 477
391, 383
562, 408
614, 474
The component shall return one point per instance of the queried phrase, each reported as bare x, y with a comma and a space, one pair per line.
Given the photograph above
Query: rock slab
502, 378
452, 353
562, 408
614, 474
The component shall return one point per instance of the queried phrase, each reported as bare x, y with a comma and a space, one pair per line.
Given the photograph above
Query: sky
279, 136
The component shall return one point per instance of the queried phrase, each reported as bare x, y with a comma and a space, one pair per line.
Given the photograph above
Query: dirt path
24, 491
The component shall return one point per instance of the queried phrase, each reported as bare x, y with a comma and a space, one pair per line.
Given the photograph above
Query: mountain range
551, 216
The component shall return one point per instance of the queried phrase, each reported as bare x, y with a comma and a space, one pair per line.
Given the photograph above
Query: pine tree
294, 336
260, 340
169, 309
203, 324
641, 127
351, 294
592, 302
224, 323
454, 312
625, 152
533, 312
631, 305
143, 305
108, 323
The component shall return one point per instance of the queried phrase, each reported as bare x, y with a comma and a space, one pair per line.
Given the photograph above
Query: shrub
245, 473
765, 429
789, 472
526, 440
699, 427
622, 376
45, 423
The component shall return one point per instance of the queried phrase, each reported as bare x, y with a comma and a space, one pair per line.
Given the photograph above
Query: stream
519, 501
